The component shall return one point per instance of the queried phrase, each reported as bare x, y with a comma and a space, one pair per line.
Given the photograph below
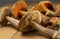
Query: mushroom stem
45, 31
49, 12
13, 21
22, 13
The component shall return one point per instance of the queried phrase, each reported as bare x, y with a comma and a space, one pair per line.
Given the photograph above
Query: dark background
5, 2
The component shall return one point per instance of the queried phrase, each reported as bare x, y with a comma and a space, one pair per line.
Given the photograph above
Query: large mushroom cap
31, 16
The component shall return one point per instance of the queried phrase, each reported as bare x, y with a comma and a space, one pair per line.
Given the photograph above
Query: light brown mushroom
43, 6
32, 15
45, 31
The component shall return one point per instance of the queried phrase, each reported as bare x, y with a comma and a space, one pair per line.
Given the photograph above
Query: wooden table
8, 32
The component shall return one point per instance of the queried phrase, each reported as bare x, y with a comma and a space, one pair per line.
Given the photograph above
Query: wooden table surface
8, 32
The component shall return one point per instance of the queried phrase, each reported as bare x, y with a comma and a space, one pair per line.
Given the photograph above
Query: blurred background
10, 2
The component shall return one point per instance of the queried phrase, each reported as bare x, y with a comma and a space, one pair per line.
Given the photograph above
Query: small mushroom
5, 11
43, 6
17, 7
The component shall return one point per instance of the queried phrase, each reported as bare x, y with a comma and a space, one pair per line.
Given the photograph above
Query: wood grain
7, 32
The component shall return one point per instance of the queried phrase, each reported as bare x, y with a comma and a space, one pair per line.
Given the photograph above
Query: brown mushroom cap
17, 7
31, 16
5, 11
57, 7
43, 6
57, 13
53, 20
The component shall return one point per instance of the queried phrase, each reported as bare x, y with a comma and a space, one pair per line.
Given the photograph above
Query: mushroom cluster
50, 13
43, 17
